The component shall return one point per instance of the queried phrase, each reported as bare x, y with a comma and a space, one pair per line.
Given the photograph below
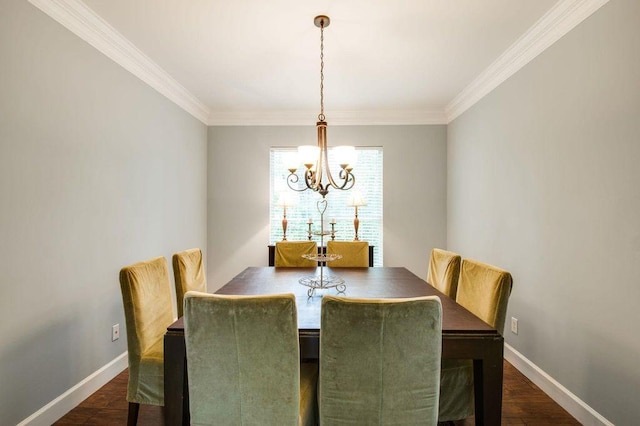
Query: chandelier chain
321, 116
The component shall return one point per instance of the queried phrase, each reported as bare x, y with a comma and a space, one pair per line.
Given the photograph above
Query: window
368, 174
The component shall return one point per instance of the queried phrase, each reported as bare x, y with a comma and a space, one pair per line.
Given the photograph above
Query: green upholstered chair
289, 253
354, 254
146, 295
444, 269
380, 361
483, 290
243, 361
188, 272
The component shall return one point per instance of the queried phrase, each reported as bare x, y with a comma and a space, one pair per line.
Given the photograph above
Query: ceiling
246, 59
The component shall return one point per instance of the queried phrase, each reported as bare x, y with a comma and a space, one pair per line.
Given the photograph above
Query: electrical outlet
115, 332
514, 325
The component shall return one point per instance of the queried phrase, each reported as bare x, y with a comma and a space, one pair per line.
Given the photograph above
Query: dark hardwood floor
523, 404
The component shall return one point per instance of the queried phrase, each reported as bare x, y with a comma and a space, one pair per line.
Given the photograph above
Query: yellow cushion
484, 290
289, 253
188, 272
146, 295
151, 373
354, 254
444, 268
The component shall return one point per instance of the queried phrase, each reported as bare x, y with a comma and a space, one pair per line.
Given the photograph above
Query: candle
309, 221
333, 221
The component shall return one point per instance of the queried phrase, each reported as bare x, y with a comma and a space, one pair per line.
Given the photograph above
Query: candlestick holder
285, 200
322, 281
356, 200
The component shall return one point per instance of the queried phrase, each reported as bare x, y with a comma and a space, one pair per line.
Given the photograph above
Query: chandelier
317, 173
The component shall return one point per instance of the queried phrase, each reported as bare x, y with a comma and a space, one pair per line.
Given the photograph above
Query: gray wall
238, 191
97, 171
543, 180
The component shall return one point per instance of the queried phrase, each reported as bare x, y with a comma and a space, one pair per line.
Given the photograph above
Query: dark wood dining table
464, 336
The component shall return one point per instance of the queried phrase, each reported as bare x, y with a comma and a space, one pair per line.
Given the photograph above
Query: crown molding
335, 118
557, 22
86, 24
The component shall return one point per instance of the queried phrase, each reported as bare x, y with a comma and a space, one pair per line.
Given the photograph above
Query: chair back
380, 360
484, 290
354, 254
444, 269
146, 295
188, 272
289, 253
242, 358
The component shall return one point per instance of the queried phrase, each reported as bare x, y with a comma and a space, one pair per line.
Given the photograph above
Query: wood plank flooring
523, 404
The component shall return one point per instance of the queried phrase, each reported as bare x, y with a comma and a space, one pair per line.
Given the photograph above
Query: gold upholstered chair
289, 253
146, 295
444, 269
483, 290
380, 361
188, 272
243, 361
354, 254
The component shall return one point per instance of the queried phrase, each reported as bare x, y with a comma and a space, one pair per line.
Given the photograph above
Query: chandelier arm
311, 183
347, 178
344, 176
292, 179
322, 155
310, 179
324, 158
332, 181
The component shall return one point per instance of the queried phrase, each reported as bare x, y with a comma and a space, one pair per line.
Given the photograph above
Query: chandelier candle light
315, 158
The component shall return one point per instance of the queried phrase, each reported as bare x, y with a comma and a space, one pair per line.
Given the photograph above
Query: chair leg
132, 419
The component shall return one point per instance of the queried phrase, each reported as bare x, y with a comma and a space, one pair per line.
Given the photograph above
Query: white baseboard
57, 408
60, 406
563, 396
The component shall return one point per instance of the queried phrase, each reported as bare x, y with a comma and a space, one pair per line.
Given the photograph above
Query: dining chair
380, 361
483, 290
188, 272
444, 269
289, 253
354, 254
146, 296
243, 361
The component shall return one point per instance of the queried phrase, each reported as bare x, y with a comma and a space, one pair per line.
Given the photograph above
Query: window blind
368, 175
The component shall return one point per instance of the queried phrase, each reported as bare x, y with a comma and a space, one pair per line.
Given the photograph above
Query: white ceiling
248, 58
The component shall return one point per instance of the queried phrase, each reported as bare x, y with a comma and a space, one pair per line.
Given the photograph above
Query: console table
321, 250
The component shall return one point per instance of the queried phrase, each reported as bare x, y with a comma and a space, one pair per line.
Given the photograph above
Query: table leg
176, 390
487, 376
